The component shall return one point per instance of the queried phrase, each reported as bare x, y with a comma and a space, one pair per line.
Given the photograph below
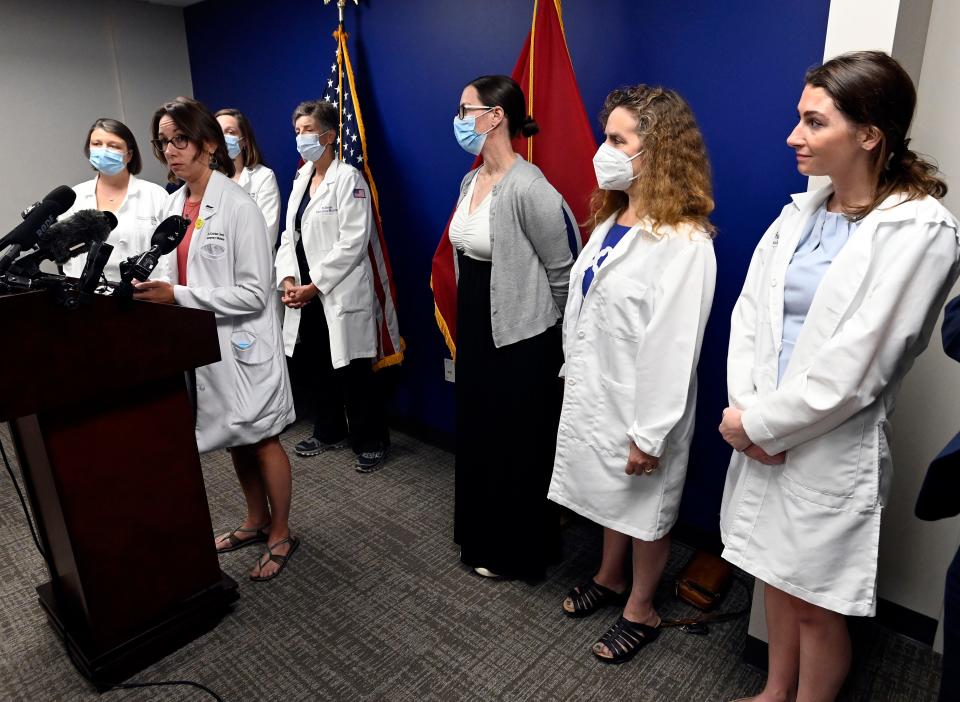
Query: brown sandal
276, 558
260, 535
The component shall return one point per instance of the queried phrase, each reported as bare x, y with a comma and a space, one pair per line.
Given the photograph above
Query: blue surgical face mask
309, 146
107, 161
233, 145
465, 130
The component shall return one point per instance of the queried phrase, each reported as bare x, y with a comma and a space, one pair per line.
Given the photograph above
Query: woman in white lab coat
640, 295
113, 152
841, 296
224, 265
250, 172
327, 281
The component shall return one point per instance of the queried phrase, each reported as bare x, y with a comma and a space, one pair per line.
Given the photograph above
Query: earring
214, 164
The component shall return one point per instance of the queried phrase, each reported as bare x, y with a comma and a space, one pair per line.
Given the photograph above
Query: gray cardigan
534, 241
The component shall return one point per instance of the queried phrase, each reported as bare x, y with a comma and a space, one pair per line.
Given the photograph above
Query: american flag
340, 90
350, 146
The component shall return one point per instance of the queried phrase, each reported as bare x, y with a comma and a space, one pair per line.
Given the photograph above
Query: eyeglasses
464, 108
179, 142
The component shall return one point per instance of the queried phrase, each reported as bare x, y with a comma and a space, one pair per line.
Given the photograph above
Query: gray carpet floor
376, 606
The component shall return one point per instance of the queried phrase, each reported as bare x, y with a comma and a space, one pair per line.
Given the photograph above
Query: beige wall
914, 555
64, 63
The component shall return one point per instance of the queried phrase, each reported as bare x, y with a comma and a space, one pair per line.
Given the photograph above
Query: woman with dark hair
514, 240
323, 269
113, 153
251, 173
841, 296
225, 265
640, 295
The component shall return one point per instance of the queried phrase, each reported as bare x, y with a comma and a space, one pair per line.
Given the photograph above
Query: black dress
508, 410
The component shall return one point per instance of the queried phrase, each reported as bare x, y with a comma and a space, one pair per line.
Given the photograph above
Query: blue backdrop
739, 63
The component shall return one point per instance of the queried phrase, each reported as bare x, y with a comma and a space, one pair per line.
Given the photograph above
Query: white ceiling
175, 3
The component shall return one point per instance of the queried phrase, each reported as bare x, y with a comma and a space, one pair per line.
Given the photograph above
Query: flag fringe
393, 359
442, 323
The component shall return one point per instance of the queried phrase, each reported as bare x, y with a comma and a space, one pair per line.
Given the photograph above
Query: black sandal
277, 558
590, 597
260, 535
624, 639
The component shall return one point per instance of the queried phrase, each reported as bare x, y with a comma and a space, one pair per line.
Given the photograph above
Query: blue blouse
610, 242
823, 238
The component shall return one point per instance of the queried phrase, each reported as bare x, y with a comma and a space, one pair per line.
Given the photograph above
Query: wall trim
896, 618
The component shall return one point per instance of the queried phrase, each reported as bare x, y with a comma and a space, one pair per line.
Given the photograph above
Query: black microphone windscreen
110, 219
169, 233
84, 227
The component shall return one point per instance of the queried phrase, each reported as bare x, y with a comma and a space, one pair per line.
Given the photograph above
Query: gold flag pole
340, 5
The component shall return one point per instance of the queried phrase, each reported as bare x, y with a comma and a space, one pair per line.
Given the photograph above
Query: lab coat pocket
616, 411
830, 470
214, 246
623, 307
353, 294
257, 379
247, 348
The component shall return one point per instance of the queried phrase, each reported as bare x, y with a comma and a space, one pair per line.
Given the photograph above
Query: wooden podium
104, 431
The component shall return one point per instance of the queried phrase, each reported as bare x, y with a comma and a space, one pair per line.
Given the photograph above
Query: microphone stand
12, 253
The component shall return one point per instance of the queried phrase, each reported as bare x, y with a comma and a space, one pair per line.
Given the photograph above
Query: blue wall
740, 63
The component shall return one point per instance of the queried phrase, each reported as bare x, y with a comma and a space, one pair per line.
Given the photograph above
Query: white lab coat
336, 229
260, 183
631, 350
811, 526
137, 218
244, 397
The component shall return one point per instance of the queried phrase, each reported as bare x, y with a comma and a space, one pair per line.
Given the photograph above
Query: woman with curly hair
640, 294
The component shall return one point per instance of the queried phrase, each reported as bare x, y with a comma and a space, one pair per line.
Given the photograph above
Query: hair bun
530, 127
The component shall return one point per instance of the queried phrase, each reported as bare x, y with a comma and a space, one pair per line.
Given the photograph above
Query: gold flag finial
340, 5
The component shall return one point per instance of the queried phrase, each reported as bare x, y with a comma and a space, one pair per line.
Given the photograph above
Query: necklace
104, 196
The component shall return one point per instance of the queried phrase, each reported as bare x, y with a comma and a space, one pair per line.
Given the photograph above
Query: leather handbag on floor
704, 581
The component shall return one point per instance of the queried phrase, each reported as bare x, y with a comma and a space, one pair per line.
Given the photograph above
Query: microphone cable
66, 641
23, 504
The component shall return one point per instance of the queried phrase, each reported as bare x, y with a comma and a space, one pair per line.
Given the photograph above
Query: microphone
168, 234
166, 237
40, 217
63, 241
93, 269
75, 235
36, 220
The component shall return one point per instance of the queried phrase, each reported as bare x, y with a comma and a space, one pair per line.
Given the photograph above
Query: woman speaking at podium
225, 264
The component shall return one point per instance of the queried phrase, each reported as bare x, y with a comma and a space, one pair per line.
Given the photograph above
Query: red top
190, 210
